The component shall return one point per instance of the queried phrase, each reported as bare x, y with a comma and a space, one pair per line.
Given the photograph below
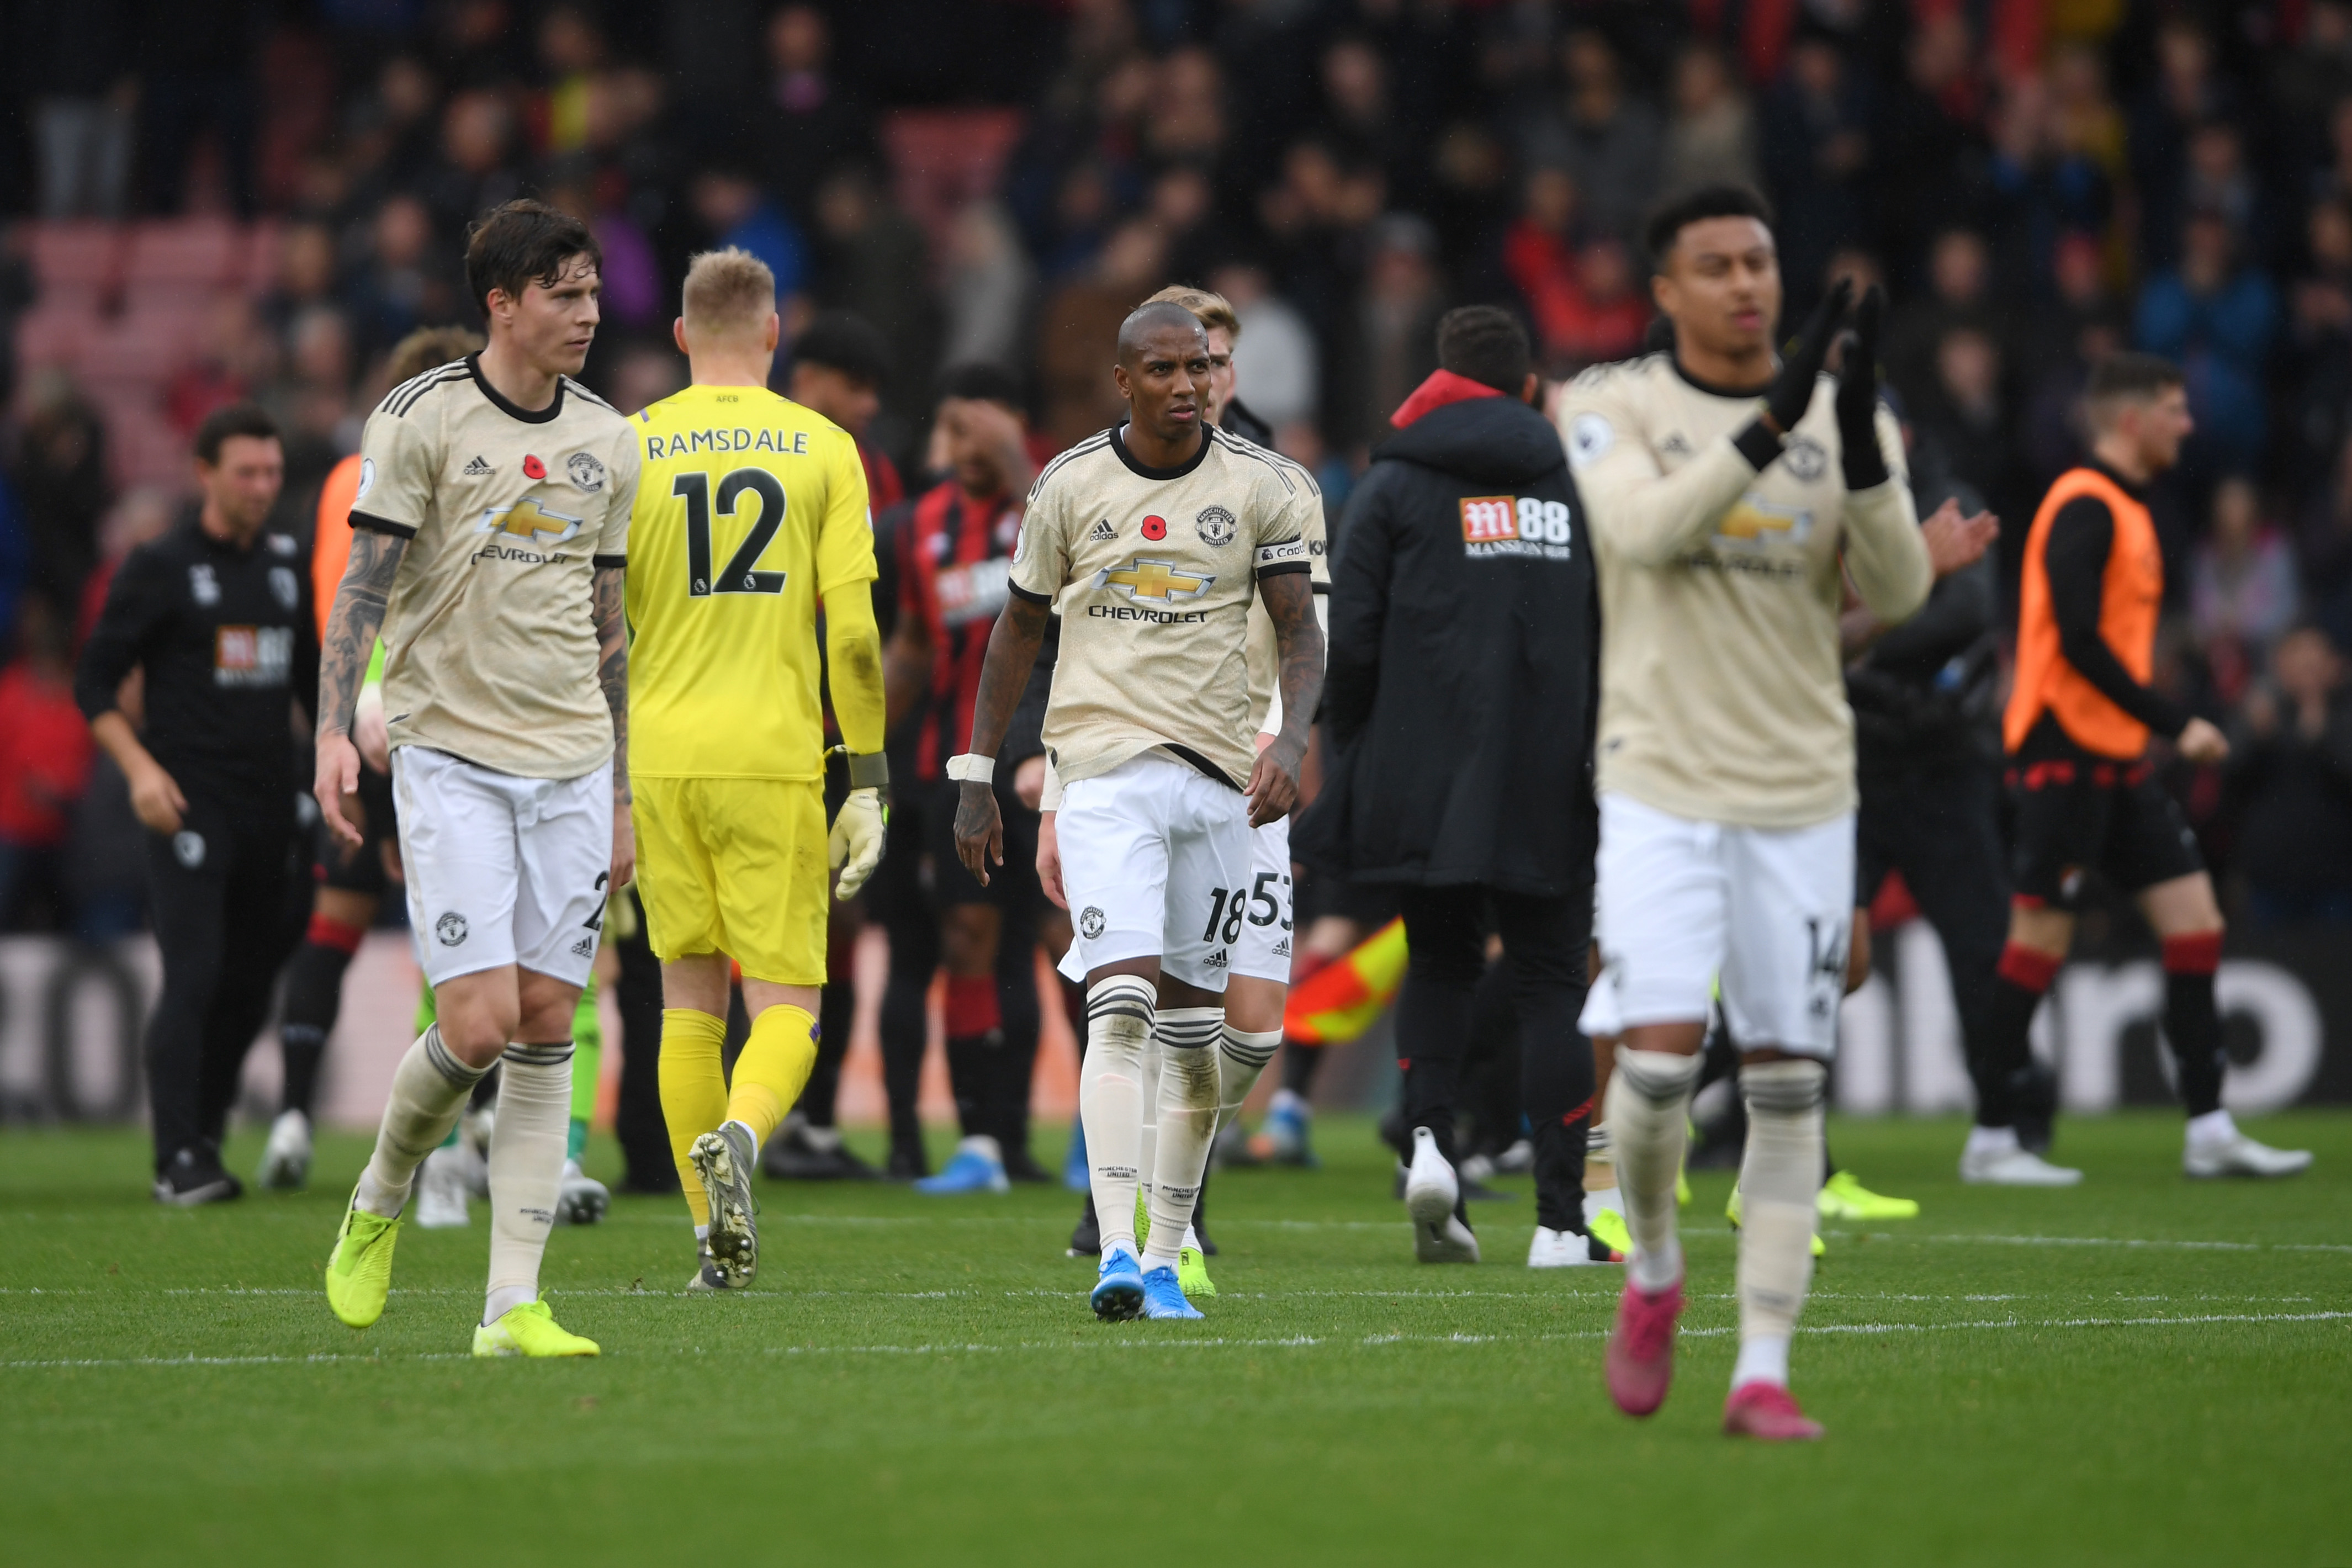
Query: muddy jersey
490, 648
1722, 692
1155, 570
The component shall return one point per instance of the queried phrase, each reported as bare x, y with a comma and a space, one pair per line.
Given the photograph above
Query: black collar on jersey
2137, 492
1710, 388
1142, 472
529, 416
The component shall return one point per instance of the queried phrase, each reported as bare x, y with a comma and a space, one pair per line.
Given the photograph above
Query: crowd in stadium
2036, 184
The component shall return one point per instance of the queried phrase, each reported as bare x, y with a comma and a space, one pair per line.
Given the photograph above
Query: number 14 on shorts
1228, 906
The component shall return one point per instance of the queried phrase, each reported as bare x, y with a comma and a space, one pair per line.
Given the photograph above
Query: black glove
1791, 392
1857, 397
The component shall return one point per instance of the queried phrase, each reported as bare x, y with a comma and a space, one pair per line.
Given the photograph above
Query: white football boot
1431, 1191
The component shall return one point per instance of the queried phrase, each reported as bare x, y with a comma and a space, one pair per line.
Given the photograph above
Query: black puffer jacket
1465, 647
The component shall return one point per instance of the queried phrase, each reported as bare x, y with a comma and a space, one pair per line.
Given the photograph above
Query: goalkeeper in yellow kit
750, 515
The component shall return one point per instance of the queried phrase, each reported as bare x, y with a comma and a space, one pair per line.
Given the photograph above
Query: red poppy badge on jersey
1155, 528
532, 468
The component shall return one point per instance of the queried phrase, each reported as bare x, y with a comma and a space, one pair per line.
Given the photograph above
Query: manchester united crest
1217, 525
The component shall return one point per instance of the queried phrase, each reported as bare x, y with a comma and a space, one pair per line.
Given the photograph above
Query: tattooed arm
343, 655
1289, 598
1003, 676
612, 675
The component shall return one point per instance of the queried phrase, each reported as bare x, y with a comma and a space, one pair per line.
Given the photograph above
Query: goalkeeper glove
855, 843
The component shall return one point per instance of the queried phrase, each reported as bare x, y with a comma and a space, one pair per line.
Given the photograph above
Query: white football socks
1779, 1178
526, 1147
1119, 1014
1241, 1055
1188, 1122
429, 1089
1649, 1107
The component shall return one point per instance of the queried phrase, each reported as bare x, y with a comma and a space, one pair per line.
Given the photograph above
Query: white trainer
2238, 1155
2014, 1167
286, 1159
474, 1149
1561, 1249
579, 1198
1431, 1191
441, 1191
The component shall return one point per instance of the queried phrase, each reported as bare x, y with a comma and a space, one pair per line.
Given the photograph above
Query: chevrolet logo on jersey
527, 520
1752, 521
1154, 582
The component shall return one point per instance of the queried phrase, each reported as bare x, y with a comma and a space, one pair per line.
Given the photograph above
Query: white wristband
971, 768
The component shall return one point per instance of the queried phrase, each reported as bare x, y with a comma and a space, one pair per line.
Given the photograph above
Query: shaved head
1148, 317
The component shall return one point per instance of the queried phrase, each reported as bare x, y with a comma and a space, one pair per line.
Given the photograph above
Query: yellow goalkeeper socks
693, 1091
773, 1070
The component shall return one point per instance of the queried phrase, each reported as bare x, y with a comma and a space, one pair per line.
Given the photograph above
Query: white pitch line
1293, 1342
2111, 1241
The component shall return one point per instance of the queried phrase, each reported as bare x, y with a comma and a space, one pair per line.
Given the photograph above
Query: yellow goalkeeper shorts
738, 866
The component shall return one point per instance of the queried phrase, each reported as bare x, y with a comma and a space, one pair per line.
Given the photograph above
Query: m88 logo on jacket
1514, 525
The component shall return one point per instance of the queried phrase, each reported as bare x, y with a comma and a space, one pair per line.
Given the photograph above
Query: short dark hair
1487, 344
2137, 376
1717, 198
982, 381
231, 419
848, 343
522, 242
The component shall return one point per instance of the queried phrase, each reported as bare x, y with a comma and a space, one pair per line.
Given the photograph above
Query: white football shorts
1683, 903
501, 868
1155, 863
1263, 950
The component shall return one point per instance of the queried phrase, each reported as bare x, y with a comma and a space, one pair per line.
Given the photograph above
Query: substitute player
751, 517
491, 520
1155, 536
1726, 495
2080, 715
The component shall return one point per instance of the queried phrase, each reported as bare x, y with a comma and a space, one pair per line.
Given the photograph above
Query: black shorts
361, 868
2084, 814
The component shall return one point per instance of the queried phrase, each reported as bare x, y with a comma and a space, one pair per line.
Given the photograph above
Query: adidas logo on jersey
584, 948
1102, 530
476, 466
1282, 948
1216, 960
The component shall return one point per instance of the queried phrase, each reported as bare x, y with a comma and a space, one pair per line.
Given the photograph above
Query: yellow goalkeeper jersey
749, 509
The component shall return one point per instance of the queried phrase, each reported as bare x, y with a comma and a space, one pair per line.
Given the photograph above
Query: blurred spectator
643, 374
986, 289
1610, 140
1817, 156
874, 262
1396, 340
634, 297
735, 212
2038, 190
2216, 318
1711, 135
808, 123
2318, 357
1358, 117
2186, 94
474, 170
1960, 294
1078, 334
2081, 327
196, 95
2241, 585
1582, 299
405, 281
44, 754
2323, 545
1276, 356
76, 56
1927, 130
1966, 411
60, 483
2291, 777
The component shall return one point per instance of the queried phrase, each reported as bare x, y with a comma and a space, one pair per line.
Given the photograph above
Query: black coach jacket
1465, 649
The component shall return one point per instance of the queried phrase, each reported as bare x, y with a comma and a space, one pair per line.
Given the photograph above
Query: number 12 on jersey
741, 575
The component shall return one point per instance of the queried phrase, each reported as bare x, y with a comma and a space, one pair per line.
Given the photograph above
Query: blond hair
427, 347
728, 291
1214, 310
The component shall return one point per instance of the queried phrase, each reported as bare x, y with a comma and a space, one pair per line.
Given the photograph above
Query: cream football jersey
490, 649
1722, 692
1155, 570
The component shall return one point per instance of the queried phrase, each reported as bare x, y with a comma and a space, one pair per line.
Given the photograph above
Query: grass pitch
2141, 1370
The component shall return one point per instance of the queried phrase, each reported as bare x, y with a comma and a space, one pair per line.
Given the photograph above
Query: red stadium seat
186, 255
75, 260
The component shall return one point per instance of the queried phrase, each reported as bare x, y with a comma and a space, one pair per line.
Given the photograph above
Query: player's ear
776, 331
677, 336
